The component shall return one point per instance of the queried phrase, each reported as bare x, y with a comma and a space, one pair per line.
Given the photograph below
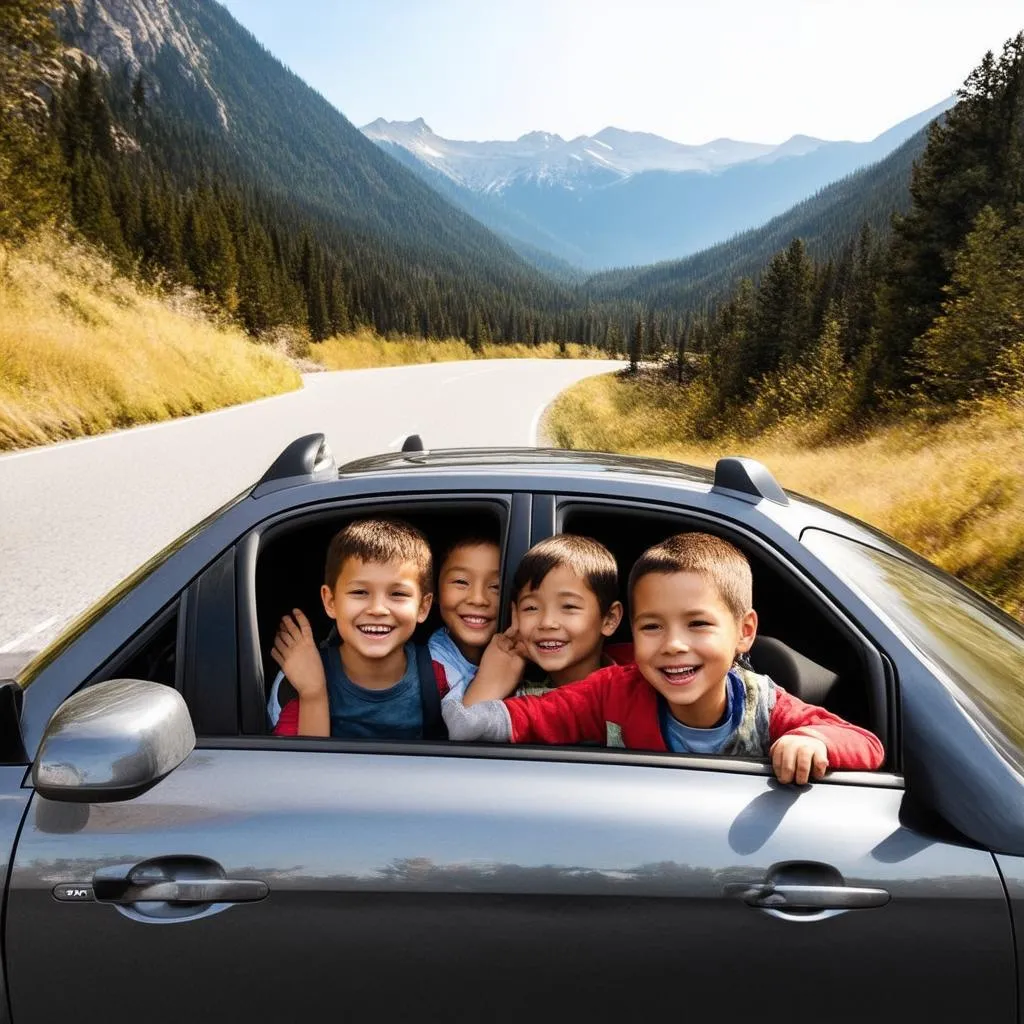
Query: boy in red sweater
692, 618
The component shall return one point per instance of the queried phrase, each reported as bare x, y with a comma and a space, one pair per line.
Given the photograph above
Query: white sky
691, 70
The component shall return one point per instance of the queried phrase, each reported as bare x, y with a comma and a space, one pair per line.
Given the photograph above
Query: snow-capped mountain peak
611, 155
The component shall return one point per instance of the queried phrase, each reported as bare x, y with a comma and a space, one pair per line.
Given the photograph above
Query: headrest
798, 675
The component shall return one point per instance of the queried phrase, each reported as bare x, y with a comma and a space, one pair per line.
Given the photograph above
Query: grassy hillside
83, 350
950, 489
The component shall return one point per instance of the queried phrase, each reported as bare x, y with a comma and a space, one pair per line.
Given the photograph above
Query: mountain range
827, 222
622, 198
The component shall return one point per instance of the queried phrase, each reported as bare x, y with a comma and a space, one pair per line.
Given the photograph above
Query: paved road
75, 518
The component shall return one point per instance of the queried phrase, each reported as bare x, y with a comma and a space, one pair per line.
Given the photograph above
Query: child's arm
570, 714
296, 652
501, 669
807, 740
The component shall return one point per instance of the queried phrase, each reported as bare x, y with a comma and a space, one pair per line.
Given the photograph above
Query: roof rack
306, 459
748, 480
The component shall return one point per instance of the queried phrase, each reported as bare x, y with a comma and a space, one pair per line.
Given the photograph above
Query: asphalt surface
77, 517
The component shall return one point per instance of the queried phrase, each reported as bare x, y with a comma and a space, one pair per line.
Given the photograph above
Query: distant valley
621, 198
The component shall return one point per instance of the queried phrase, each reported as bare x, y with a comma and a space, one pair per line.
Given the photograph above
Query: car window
151, 655
975, 645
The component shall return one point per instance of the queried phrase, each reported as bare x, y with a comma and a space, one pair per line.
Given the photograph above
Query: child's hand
510, 645
799, 758
296, 652
501, 668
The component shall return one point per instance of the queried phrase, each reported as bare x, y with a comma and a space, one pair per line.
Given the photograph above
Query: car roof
570, 463
308, 460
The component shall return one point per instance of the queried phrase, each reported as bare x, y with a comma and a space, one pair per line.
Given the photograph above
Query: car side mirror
112, 741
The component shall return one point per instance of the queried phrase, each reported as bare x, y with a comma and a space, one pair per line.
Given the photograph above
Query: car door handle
773, 896
174, 880
200, 890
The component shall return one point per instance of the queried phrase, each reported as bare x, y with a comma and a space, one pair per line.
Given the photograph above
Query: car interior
800, 644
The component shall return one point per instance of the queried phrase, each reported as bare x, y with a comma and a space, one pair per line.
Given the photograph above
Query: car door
421, 883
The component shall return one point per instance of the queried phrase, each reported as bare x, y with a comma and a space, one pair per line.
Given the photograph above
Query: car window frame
177, 607
880, 779
528, 512
983, 717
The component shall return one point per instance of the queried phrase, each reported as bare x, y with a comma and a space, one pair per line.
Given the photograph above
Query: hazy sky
691, 70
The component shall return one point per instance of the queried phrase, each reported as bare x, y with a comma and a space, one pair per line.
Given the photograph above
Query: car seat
811, 682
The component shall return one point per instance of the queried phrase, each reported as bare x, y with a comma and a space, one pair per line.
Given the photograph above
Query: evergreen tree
32, 178
682, 340
974, 158
783, 328
981, 328
139, 94
92, 208
636, 344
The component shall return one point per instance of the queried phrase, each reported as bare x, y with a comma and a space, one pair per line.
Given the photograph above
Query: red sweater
620, 700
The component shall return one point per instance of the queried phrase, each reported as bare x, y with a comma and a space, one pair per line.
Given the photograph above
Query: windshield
978, 648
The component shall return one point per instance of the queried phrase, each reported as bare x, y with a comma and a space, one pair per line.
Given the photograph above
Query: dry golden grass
83, 350
952, 490
364, 349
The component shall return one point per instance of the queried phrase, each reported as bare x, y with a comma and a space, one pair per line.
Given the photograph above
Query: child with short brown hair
371, 683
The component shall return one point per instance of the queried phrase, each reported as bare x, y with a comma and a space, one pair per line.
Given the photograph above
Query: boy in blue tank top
378, 586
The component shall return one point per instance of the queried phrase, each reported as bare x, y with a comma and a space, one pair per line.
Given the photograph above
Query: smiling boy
564, 606
692, 618
378, 586
468, 595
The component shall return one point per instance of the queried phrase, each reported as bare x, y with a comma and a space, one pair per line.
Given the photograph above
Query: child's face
468, 593
685, 639
376, 606
562, 626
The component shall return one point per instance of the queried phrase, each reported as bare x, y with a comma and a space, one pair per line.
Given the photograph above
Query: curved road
77, 517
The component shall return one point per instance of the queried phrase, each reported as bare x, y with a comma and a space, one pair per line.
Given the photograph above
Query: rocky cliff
125, 35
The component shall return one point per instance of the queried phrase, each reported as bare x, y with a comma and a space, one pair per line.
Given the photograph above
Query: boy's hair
586, 557
477, 539
380, 541
722, 564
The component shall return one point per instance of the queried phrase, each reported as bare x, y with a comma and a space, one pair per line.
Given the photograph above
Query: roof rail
413, 443
748, 480
306, 459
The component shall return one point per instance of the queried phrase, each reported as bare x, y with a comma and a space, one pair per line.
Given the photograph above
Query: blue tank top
361, 714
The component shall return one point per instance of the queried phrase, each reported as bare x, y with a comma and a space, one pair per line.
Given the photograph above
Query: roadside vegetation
364, 349
84, 350
951, 488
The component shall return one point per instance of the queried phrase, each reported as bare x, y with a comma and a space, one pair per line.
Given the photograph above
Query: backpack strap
430, 699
